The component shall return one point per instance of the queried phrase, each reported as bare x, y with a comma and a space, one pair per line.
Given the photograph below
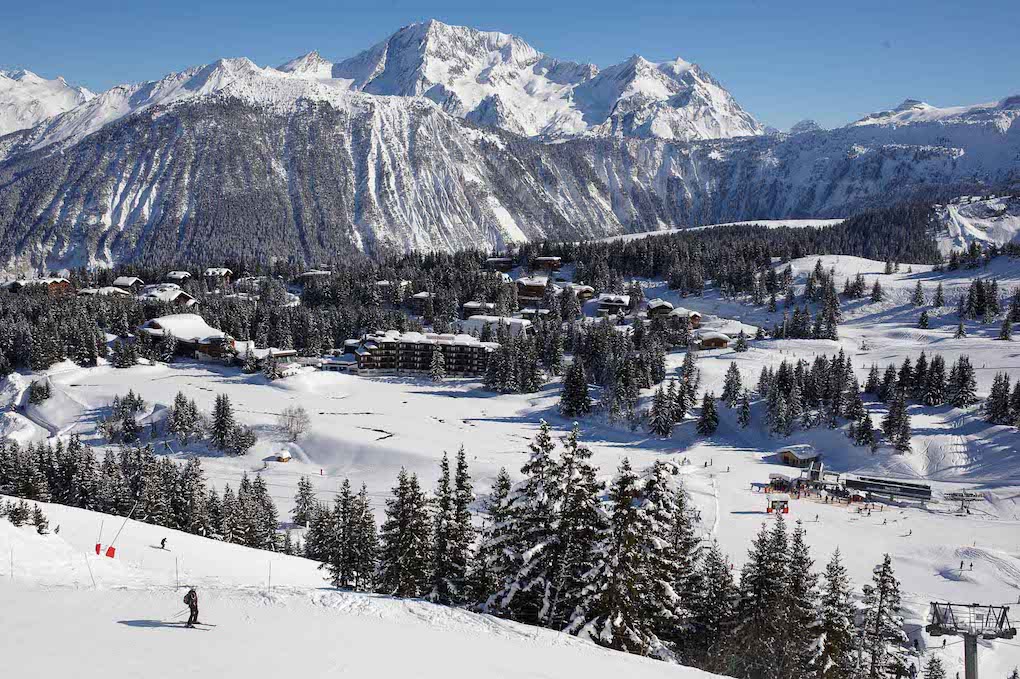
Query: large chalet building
397, 352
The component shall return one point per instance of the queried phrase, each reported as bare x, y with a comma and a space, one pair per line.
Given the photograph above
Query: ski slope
368, 427
124, 619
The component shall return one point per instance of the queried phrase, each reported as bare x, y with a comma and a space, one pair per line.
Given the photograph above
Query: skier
191, 598
162, 543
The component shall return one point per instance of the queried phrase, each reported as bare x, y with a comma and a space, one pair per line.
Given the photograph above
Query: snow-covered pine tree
437, 369
714, 612
961, 332
837, 647
744, 410
741, 344
939, 300
250, 365
996, 407
923, 320
364, 545
441, 570
304, 502
612, 613
917, 299
800, 653
660, 418
883, 638
877, 295
575, 401
336, 543
708, 421
934, 669
492, 566
731, 385
404, 540
223, 422
1006, 330
962, 387
896, 424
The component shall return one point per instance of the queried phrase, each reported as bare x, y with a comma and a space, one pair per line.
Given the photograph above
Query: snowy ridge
27, 99
984, 221
1002, 114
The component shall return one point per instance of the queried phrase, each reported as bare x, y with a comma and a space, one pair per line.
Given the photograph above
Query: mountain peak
311, 64
26, 99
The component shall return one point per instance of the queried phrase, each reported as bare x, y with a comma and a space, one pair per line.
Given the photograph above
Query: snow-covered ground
770, 223
368, 427
68, 612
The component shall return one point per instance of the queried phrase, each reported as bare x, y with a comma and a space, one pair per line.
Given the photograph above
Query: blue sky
783, 61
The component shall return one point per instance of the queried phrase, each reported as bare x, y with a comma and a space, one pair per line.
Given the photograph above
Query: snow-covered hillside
911, 112
273, 616
27, 99
978, 220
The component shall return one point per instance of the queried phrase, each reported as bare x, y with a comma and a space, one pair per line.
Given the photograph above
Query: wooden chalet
129, 283
504, 264
52, 286
611, 304
194, 336
546, 264
659, 307
802, 456
713, 340
679, 313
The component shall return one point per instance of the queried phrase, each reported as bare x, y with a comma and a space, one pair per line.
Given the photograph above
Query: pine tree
708, 422
404, 549
760, 634
437, 370
961, 332
934, 669
962, 385
997, 407
492, 567
441, 567
877, 295
250, 364
1006, 331
939, 300
741, 344
715, 612
882, 630
922, 321
836, 659
917, 299
575, 401
744, 413
223, 423
612, 614
731, 385
896, 424
304, 502
800, 615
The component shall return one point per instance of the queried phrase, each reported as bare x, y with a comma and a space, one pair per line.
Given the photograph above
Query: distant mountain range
438, 138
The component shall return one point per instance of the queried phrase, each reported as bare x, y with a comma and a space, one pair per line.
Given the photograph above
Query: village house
611, 304
217, 277
531, 289
130, 283
53, 286
106, 291
582, 291
194, 336
285, 357
312, 275
679, 313
713, 340
550, 264
659, 307
167, 293
474, 308
177, 276
517, 327
401, 352
419, 301
532, 313
800, 455
504, 264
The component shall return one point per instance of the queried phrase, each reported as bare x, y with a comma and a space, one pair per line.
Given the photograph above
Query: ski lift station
778, 503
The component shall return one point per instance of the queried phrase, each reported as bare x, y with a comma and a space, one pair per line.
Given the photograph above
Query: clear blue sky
783, 61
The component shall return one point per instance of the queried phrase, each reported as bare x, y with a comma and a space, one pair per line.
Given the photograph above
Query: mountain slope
288, 624
983, 221
224, 176
27, 99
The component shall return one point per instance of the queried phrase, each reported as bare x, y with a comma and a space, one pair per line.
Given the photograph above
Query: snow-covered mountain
978, 219
27, 99
499, 80
912, 112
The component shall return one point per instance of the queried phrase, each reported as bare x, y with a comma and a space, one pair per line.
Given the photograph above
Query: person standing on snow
191, 598
162, 543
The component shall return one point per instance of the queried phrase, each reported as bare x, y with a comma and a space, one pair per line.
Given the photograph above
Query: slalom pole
90, 570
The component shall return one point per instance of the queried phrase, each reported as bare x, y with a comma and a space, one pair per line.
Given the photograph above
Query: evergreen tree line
20, 513
134, 481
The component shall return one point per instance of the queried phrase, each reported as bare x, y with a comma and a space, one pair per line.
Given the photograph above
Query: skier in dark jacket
191, 598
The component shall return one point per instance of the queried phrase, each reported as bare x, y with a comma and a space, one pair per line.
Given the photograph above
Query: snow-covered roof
533, 281
517, 326
659, 304
242, 346
187, 327
610, 298
314, 273
712, 335
681, 312
165, 292
801, 451
127, 281
479, 305
105, 291
393, 336
41, 281
423, 295
548, 259
578, 288
218, 272
178, 275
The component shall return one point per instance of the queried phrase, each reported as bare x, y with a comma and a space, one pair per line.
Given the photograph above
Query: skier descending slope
191, 598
